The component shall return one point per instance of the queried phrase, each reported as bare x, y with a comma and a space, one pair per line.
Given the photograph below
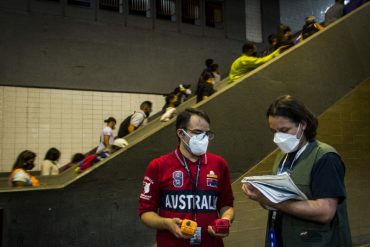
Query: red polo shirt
168, 190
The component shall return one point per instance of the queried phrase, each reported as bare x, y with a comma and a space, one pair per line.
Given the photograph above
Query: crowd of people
187, 195
248, 61
279, 42
108, 143
284, 39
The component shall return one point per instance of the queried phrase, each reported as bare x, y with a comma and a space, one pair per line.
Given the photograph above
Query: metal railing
109, 3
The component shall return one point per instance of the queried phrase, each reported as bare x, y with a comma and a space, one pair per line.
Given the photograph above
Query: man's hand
255, 195
173, 225
224, 224
320, 210
214, 234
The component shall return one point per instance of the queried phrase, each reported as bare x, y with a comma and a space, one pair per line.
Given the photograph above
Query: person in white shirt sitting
107, 136
50, 165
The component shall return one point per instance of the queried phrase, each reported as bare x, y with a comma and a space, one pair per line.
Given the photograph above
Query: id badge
197, 237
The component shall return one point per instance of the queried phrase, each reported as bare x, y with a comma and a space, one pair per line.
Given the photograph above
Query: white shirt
217, 77
48, 168
170, 113
138, 118
107, 131
22, 176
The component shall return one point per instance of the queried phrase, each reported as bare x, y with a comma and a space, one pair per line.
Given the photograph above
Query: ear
179, 133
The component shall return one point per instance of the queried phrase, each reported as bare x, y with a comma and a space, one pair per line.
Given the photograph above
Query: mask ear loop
299, 126
182, 139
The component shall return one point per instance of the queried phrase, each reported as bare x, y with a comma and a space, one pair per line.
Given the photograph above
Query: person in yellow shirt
247, 62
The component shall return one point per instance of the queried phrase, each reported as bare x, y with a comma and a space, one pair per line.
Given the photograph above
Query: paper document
276, 188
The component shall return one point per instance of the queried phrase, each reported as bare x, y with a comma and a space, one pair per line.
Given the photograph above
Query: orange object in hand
188, 227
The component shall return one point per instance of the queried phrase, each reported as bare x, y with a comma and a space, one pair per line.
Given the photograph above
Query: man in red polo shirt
188, 183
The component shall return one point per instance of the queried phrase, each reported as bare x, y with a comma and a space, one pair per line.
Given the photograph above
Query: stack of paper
276, 188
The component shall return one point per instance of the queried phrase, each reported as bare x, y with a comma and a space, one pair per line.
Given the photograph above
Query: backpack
87, 162
123, 128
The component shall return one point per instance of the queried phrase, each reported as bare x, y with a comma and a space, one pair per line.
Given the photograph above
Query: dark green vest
298, 232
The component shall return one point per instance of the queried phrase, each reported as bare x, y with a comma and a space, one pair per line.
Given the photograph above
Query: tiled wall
70, 120
253, 20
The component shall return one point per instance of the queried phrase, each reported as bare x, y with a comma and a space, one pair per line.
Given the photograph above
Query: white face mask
198, 144
287, 142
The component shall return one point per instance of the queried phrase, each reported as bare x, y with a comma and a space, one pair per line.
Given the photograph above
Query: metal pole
202, 14
153, 11
96, 9
29, 6
120, 7
64, 6
224, 18
178, 11
125, 12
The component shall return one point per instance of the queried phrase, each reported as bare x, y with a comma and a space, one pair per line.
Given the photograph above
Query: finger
177, 235
250, 187
211, 231
244, 188
178, 221
219, 235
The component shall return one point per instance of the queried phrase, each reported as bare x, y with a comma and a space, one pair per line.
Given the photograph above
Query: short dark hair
77, 157
247, 47
110, 119
289, 107
52, 154
284, 28
22, 158
145, 104
183, 118
209, 62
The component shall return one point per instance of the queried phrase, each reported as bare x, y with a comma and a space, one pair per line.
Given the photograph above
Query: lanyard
185, 164
193, 183
294, 160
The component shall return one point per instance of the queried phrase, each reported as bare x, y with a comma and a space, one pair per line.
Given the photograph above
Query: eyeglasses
210, 134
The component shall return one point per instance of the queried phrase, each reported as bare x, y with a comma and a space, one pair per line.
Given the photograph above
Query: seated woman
50, 165
20, 175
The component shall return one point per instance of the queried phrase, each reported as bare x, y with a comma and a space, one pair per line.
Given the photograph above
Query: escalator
98, 207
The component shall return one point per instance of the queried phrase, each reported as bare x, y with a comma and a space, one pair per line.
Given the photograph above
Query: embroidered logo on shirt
146, 188
212, 179
178, 179
212, 174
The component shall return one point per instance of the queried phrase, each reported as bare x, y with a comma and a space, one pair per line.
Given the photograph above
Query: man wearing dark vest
317, 170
